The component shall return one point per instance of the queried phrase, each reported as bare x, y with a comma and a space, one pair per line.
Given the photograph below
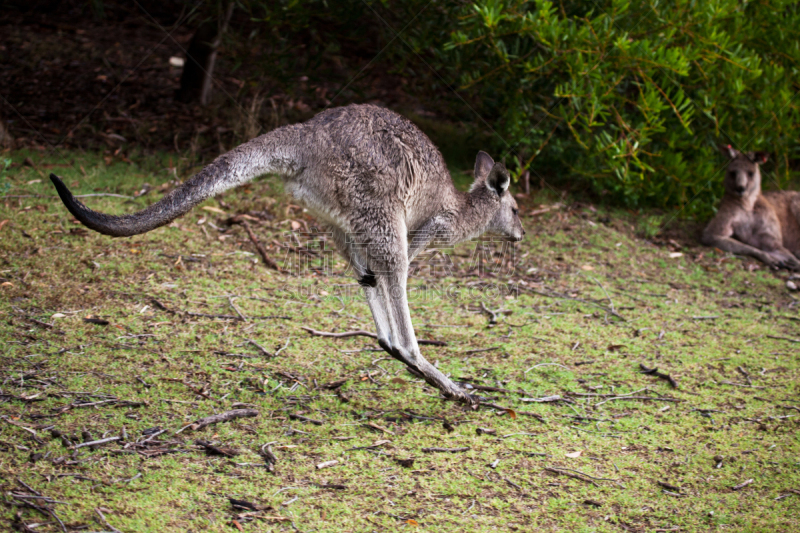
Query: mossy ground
725, 328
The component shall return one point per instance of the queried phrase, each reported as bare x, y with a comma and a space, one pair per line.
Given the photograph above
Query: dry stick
783, 338
363, 333
233, 305
95, 442
581, 473
234, 317
545, 364
492, 314
655, 399
537, 416
222, 417
482, 350
261, 348
450, 450
260, 247
103, 519
302, 418
43, 509
610, 301
589, 302
29, 430
28, 487
284, 346
544, 399
734, 384
340, 335
569, 473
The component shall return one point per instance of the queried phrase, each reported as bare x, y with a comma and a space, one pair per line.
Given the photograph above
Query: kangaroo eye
515, 211
749, 174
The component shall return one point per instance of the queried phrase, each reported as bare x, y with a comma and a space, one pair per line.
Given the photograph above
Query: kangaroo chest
751, 226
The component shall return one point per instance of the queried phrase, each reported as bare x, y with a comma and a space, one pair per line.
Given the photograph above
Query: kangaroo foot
432, 376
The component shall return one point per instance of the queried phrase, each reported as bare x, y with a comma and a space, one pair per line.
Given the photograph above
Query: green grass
49, 266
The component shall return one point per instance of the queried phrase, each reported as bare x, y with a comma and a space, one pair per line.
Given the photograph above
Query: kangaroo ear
729, 150
758, 157
483, 165
499, 179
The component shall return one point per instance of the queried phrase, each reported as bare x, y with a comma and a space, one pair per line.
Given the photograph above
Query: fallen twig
222, 417
537, 416
652, 398
301, 418
260, 348
565, 297
545, 399
449, 450
95, 442
783, 338
268, 261
361, 332
545, 364
105, 522
284, 347
235, 317
743, 484
238, 312
654, 372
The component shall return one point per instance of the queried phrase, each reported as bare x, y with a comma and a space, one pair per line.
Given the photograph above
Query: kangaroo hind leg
404, 347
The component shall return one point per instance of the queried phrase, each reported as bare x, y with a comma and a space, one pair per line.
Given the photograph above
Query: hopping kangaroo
762, 225
361, 170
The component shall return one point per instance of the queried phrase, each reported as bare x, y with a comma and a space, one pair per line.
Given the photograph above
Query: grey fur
361, 170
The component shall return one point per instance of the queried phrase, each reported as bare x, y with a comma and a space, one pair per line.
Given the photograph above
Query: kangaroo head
494, 177
743, 177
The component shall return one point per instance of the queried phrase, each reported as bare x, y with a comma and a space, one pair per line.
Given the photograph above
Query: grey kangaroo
361, 170
762, 225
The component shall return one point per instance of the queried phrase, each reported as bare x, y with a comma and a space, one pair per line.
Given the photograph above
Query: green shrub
633, 97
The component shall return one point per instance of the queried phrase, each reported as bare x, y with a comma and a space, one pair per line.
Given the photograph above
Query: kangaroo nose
740, 188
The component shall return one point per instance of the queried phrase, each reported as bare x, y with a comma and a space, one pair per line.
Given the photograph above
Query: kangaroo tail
249, 160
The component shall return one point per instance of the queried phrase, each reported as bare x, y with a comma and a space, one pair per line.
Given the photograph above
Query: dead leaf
574, 455
296, 225
399, 381
412, 522
673, 255
587, 267
213, 209
511, 413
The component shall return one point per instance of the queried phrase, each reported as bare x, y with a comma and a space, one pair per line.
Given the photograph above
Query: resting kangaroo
361, 170
762, 225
